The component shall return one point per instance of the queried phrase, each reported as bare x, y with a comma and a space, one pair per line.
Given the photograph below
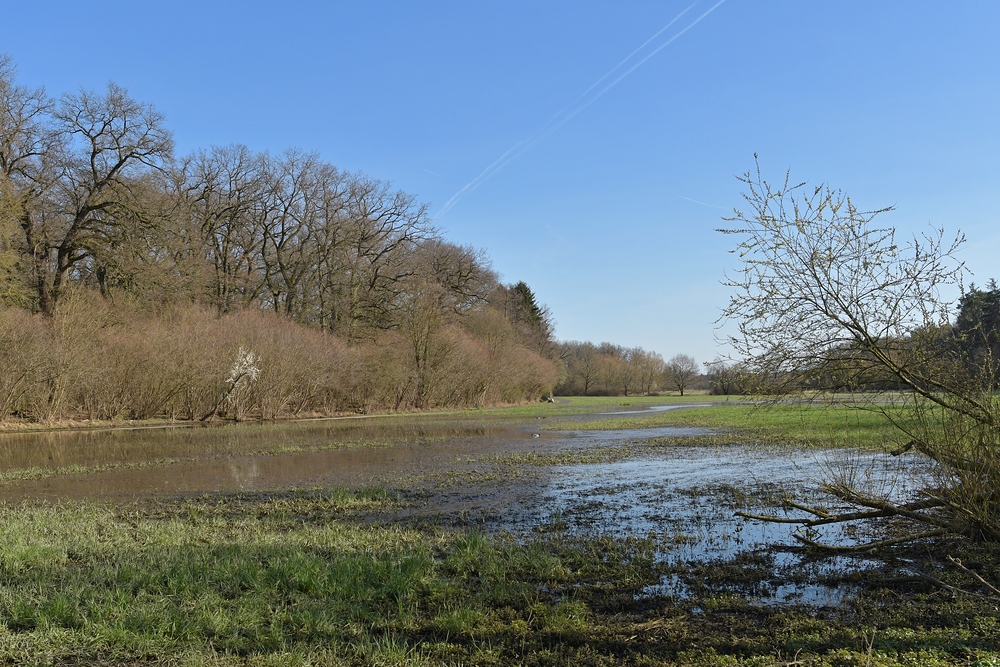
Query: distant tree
977, 329
581, 363
723, 377
651, 367
613, 377
681, 370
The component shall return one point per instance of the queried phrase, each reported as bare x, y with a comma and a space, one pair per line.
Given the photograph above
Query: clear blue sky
607, 211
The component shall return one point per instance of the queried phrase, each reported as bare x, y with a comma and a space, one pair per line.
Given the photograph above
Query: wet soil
506, 476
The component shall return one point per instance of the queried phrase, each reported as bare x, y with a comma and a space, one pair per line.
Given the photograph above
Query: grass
302, 578
805, 424
328, 577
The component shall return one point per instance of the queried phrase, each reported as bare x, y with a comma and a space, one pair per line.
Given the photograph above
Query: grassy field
322, 577
798, 424
296, 579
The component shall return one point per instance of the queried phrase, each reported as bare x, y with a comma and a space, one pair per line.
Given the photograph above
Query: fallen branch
909, 510
972, 573
827, 519
869, 546
805, 508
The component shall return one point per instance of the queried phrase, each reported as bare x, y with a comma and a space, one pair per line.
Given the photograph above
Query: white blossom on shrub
244, 370
243, 373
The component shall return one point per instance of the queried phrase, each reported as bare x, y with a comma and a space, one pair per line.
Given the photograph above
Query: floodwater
502, 476
690, 497
132, 464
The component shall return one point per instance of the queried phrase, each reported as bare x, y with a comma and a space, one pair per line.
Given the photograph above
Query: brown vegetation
613, 370
95, 359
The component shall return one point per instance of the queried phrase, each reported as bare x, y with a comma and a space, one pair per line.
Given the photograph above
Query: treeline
965, 352
612, 370
196, 257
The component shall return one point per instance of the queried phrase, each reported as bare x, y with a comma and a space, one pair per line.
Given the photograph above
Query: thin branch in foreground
841, 518
972, 573
870, 546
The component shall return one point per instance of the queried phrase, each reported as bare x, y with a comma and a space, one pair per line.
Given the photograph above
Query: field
393, 573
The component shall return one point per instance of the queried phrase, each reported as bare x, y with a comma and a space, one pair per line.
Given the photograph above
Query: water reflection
689, 497
135, 445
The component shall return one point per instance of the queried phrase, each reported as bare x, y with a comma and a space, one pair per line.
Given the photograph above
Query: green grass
304, 578
805, 424
324, 578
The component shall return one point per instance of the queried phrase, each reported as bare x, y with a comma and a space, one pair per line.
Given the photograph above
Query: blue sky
607, 211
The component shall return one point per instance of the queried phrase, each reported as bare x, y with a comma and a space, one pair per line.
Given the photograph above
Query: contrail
629, 57
575, 107
702, 203
641, 62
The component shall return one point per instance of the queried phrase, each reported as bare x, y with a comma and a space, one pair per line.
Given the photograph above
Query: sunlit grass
301, 578
287, 575
805, 424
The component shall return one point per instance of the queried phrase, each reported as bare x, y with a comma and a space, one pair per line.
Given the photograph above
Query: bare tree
583, 366
110, 140
29, 145
382, 227
223, 189
651, 368
294, 196
72, 174
681, 370
724, 377
820, 285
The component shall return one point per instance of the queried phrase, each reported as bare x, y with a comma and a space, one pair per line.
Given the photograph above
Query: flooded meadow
675, 486
579, 533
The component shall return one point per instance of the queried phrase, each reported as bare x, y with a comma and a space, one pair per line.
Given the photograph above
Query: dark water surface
136, 463
133, 463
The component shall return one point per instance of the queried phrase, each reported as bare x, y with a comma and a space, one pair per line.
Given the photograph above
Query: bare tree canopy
74, 174
827, 299
682, 369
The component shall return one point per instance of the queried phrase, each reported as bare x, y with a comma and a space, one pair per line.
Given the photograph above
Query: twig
902, 450
841, 518
771, 519
972, 573
869, 645
868, 546
805, 508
